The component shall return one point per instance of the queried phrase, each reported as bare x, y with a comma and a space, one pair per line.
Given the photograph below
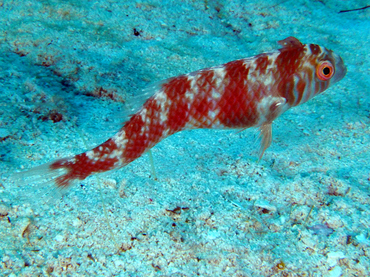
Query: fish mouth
340, 69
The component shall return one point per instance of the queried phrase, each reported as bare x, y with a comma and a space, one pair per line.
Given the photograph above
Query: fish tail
63, 173
42, 182
60, 173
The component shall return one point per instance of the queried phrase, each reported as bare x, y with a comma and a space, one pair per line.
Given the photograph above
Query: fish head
306, 70
329, 67
320, 69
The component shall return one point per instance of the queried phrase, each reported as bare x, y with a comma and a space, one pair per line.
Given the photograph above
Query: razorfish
250, 92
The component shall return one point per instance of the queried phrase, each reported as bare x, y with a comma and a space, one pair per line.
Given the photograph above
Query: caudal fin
58, 172
48, 181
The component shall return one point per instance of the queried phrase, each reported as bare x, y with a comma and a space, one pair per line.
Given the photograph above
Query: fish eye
324, 70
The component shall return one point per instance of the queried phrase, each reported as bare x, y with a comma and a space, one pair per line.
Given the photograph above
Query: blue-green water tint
214, 210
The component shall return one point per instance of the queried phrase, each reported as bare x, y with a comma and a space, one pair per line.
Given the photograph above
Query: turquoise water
67, 70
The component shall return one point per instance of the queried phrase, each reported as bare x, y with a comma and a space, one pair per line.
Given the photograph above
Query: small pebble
21, 225
333, 257
334, 272
362, 239
262, 204
59, 238
76, 222
321, 230
4, 133
3, 210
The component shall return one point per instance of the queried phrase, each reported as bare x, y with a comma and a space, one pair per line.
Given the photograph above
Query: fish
240, 94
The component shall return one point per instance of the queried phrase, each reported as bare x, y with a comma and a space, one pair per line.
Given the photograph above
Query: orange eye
325, 70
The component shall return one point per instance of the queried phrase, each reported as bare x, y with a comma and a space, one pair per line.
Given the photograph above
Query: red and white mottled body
245, 93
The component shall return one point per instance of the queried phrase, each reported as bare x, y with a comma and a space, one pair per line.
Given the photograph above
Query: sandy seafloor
66, 67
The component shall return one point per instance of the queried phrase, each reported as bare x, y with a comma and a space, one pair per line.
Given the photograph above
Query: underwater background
70, 69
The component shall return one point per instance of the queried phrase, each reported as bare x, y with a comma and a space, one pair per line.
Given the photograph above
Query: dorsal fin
102, 125
140, 97
290, 42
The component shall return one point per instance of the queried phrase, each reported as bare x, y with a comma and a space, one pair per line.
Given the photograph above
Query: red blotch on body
301, 85
262, 62
287, 64
286, 88
143, 132
81, 166
238, 104
177, 106
315, 49
203, 100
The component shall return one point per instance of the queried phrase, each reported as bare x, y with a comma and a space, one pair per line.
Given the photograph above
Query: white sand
214, 210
